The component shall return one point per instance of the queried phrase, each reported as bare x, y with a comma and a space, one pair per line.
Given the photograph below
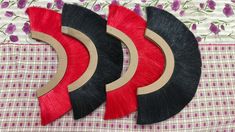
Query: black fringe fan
91, 95
180, 89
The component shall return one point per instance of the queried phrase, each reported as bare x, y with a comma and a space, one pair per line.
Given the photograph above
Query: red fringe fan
122, 101
56, 102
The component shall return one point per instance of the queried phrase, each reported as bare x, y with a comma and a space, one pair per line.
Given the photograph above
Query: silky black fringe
91, 95
179, 91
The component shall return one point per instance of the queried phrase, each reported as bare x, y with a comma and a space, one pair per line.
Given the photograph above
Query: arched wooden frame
62, 61
169, 64
133, 59
92, 53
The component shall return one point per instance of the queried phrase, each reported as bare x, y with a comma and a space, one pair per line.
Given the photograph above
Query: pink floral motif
199, 39
22, 3
115, 2
10, 28
228, 10
143, 1
194, 27
14, 38
175, 5
202, 5
4, 4
26, 28
138, 10
49, 5
215, 29
182, 13
211, 4
9, 14
96, 7
160, 6
59, 4
222, 27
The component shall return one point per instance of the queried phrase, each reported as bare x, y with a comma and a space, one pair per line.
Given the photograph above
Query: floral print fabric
211, 21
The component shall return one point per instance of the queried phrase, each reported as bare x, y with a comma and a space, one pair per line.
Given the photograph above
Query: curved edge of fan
133, 59
62, 59
169, 64
93, 62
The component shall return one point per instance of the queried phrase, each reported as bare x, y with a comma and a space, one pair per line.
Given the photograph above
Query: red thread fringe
56, 103
123, 101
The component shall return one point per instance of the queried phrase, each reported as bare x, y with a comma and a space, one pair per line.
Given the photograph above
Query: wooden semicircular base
169, 66
62, 59
133, 59
93, 56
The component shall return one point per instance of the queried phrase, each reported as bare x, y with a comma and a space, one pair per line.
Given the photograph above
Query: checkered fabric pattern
25, 68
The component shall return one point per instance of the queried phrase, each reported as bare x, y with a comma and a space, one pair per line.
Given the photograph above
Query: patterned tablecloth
26, 65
